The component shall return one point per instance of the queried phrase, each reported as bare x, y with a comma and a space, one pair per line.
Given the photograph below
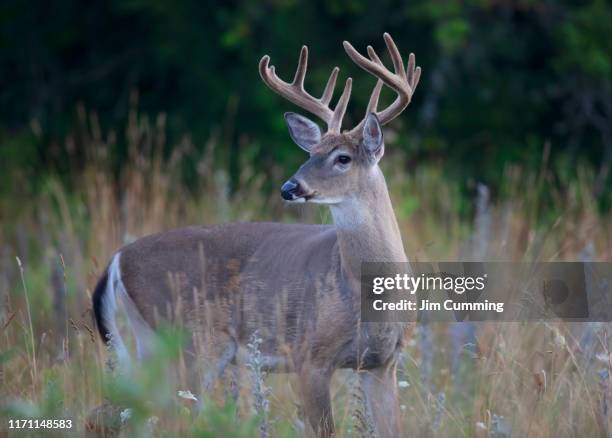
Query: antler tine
396, 58
294, 92
414, 74
329, 88
300, 72
403, 82
410, 67
373, 103
373, 56
336, 123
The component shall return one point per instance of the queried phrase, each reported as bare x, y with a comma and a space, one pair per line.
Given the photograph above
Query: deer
299, 283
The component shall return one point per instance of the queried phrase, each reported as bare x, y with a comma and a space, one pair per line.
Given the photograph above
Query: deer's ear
372, 135
304, 132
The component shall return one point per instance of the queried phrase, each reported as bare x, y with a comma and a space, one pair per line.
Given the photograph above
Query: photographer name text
410, 284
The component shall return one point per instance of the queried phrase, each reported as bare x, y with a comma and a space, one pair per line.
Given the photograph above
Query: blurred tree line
501, 78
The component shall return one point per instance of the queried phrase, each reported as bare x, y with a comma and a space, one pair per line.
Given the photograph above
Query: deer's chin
323, 200
311, 197
299, 200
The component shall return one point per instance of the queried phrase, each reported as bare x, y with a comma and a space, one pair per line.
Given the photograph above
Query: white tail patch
115, 293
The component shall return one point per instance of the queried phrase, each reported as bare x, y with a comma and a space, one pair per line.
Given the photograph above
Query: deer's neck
366, 226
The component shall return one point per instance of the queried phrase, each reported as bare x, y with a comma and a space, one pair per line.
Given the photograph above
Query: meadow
484, 380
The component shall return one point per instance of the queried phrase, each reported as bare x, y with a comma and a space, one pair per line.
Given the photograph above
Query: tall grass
519, 379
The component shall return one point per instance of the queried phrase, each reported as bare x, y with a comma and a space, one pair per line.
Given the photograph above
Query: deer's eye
343, 159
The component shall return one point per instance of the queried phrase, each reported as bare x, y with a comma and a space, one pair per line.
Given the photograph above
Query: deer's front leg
380, 390
314, 391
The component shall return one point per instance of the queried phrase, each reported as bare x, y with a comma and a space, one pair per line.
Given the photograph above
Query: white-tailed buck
297, 286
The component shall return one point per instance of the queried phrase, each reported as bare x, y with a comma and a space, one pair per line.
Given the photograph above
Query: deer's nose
289, 189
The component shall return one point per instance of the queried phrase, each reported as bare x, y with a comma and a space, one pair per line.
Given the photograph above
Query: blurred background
124, 118
502, 80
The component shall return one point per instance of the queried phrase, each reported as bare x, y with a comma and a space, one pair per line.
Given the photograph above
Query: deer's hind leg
222, 354
208, 360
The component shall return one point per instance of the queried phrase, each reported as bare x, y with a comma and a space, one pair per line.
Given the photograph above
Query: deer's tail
105, 298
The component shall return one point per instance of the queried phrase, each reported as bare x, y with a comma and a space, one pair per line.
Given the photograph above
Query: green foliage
6, 356
585, 36
214, 421
452, 34
124, 388
499, 80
